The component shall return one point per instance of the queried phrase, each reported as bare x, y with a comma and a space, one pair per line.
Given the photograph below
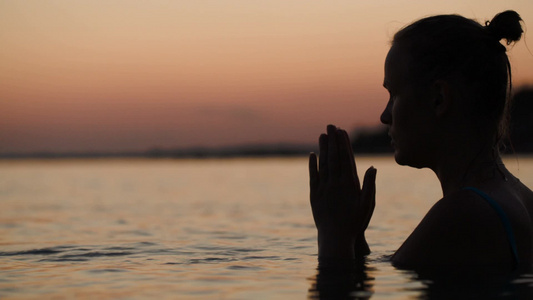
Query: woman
449, 79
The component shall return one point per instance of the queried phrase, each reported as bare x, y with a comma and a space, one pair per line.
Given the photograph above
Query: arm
341, 209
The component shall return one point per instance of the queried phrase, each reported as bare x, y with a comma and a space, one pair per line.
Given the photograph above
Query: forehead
396, 64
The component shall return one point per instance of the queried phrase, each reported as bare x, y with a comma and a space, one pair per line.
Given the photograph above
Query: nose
386, 115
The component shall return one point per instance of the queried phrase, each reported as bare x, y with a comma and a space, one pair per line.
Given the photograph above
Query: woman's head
468, 57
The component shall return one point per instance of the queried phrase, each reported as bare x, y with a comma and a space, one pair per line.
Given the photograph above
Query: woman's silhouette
449, 81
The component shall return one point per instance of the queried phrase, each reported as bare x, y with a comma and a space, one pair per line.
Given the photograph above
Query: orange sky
133, 75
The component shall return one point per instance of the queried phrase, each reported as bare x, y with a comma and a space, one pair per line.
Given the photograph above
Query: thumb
368, 195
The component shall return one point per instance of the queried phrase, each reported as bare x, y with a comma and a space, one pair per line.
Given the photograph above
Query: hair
468, 55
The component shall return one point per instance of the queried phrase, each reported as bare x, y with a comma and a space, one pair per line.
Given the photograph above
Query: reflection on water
342, 282
480, 283
192, 229
456, 283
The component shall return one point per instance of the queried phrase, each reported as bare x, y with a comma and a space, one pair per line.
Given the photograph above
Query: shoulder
460, 229
526, 197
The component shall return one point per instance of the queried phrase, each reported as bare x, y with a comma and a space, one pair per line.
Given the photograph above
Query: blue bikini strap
503, 218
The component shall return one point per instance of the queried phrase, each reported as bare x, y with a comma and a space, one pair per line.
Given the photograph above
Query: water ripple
43, 251
243, 268
97, 254
107, 271
273, 257
208, 260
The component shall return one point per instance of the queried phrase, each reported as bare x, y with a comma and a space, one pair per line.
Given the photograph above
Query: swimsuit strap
503, 218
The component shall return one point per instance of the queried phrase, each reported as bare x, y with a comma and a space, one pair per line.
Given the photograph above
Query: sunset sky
133, 75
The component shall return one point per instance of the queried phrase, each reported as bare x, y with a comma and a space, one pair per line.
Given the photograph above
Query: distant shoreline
228, 152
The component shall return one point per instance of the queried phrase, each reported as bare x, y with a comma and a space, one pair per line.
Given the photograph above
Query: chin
400, 159
411, 160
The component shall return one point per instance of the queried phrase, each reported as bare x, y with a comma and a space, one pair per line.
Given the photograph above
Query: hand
341, 209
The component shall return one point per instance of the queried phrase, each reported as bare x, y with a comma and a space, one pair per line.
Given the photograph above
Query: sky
84, 76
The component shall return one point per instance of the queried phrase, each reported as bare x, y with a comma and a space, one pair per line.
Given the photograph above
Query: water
197, 229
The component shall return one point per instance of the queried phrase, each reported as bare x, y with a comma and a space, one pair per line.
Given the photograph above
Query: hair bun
506, 25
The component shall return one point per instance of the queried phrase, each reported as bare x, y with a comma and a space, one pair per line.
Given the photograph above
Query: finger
348, 161
333, 153
344, 166
323, 162
313, 173
368, 195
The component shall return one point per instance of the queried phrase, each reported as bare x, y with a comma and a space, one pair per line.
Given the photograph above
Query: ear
442, 97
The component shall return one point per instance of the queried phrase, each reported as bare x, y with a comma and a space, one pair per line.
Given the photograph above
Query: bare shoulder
460, 229
526, 197
516, 200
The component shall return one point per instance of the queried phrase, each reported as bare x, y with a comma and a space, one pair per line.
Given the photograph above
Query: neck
473, 167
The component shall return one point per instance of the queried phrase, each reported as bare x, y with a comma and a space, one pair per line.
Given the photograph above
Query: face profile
408, 113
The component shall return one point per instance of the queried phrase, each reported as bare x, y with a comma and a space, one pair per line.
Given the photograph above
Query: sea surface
207, 229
